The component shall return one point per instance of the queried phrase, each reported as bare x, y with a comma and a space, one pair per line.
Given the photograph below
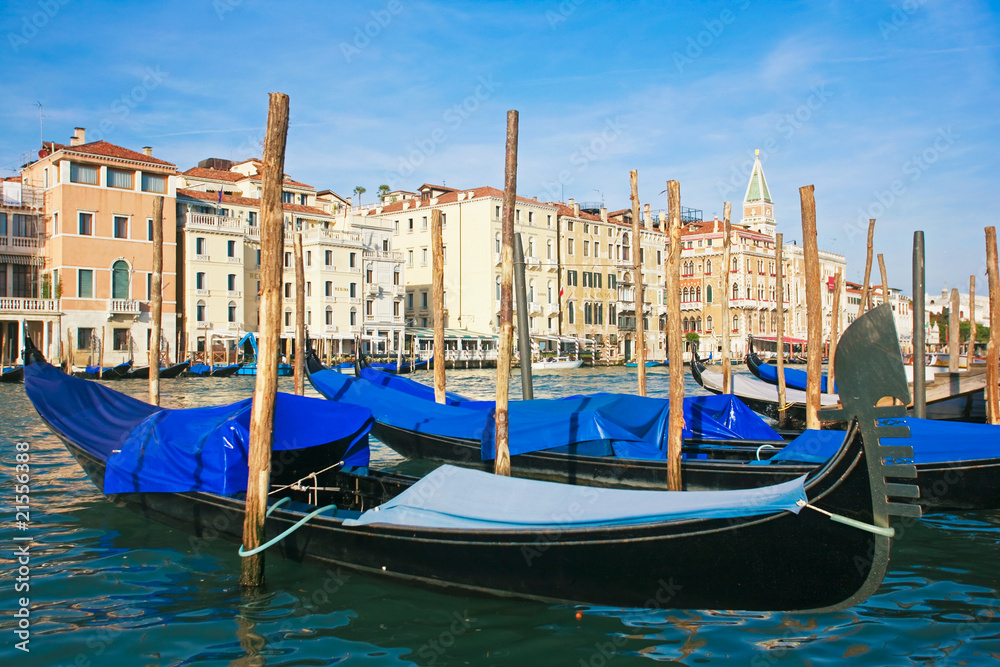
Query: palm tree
383, 190
358, 190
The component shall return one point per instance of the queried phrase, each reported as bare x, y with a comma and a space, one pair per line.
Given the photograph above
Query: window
258, 258
569, 246
118, 178
288, 260
199, 280
329, 315
517, 215
304, 199
497, 214
423, 257
288, 317
586, 248
708, 295
569, 225
409, 300
369, 307
531, 217
84, 338
200, 311
423, 300
498, 288
120, 225
612, 281
736, 291
232, 311
395, 277
571, 312
81, 173
586, 279
353, 290
548, 221
119, 280
409, 258
86, 224
409, 225
548, 249
55, 224
200, 246
353, 260
596, 280
328, 258
149, 285
252, 218
154, 183
230, 248
369, 276
287, 198
444, 254
230, 282
588, 313
423, 224
119, 339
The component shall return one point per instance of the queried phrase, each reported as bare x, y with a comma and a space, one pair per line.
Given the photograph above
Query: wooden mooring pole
831, 375
675, 340
885, 279
919, 332
640, 328
993, 347
727, 370
970, 353
156, 302
814, 303
501, 464
300, 317
272, 229
780, 339
953, 324
865, 287
437, 298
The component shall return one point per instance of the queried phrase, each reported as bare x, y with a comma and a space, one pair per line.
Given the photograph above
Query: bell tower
758, 209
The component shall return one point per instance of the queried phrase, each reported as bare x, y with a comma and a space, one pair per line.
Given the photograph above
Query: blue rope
286, 533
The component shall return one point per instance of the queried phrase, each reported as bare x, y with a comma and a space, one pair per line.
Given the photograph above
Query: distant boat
648, 364
556, 364
166, 372
107, 373
204, 370
12, 374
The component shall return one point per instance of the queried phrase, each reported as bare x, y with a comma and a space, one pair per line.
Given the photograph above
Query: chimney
79, 136
646, 220
147, 151
604, 214
663, 220
715, 226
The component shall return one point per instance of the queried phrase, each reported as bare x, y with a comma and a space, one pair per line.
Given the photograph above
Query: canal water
108, 588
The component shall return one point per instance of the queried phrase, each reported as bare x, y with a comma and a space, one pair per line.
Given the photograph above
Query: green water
108, 588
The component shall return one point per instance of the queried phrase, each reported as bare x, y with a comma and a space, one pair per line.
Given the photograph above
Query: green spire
757, 188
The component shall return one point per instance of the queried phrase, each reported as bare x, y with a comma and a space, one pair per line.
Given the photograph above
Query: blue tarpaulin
198, 449
596, 424
452, 497
794, 378
932, 442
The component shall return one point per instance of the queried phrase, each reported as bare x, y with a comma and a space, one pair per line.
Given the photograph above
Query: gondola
204, 370
816, 543
12, 374
794, 378
118, 372
958, 465
167, 372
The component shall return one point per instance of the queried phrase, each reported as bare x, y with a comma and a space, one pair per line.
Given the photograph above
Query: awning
453, 334
29, 260
786, 339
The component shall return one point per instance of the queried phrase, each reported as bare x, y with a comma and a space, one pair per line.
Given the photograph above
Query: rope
762, 447
860, 525
286, 533
299, 481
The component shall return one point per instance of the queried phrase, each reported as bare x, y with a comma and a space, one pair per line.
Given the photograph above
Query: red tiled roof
451, 198
214, 174
287, 181
247, 201
104, 149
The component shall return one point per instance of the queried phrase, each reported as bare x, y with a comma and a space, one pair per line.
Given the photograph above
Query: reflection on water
108, 588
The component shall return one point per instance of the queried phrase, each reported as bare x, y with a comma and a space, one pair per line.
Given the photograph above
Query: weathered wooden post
814, 304
993, 347
523, 335
780, 339
501, 464
100, 354
831, 375
272, 229
640, 324
970, 353
675, 340
727, 371
156, 302
437, 296
865, 287
919, 333
885, 279
69, 351
300, 317
953, 324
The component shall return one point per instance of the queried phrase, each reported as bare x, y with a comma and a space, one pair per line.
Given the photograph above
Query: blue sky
888, 108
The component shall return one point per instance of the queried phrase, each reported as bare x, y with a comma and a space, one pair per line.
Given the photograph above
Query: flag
561, 291
220, 195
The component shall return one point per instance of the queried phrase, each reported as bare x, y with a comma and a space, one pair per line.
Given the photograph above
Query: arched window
685, 324
736, 264
548, 249
531, 246
200, 310
119, 280
499, 243
232, 311
708, 267
697, 294
531, 290
736, 292
329, 316
763, 323
548, 291
354, 316
708, 324
699, 324
498, 288
736, 323
684, 294
708, 294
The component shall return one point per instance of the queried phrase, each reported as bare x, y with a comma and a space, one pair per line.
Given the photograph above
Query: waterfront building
97, 252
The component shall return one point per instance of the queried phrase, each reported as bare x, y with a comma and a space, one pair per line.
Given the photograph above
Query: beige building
98, 251
353, 280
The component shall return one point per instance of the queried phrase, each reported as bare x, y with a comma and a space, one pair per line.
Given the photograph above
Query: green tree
383, 190
359, 190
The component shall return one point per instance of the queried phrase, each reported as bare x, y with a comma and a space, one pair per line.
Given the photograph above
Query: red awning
774, 339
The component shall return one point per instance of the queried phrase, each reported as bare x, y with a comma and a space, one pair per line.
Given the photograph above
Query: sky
888, 108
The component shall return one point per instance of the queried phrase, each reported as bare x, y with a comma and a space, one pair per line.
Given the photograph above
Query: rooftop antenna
41, 127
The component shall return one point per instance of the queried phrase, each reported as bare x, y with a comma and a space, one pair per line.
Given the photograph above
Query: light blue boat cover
794, 378
595, 425
461, 498
932, 441
198, 449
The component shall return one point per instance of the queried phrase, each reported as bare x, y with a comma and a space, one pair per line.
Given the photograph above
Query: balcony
202, 292
233, 294
213, 222
234, 260
336, 236
534, 308
233, 326
355, 299
203, 258
390, 255
329, 299
550, 265
354, 269
22, 245
532, 262
372, 288
690, 305
23, 305
398, 291
123, 306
